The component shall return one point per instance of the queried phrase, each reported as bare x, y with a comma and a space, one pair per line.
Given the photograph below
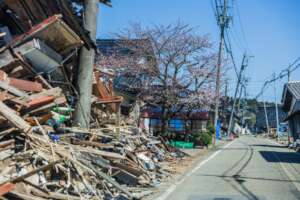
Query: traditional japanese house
291, 105
183, 122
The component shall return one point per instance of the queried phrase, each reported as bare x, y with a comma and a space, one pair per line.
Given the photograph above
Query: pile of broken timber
77, 164
42, 156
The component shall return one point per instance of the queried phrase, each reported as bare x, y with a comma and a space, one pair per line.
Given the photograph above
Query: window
177, 125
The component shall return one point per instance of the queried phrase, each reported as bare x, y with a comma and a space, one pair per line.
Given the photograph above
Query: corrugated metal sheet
43, 58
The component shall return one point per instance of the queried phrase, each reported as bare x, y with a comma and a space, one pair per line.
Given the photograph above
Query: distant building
261, 124
291, 105
183, 122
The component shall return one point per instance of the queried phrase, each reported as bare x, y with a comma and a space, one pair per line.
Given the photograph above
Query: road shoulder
192, 165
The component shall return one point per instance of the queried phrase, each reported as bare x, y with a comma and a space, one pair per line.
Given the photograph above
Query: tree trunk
164, 120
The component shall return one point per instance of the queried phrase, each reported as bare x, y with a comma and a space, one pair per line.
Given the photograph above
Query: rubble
43, 153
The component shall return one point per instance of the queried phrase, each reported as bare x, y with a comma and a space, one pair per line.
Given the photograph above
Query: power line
241, 24
229, 51
236, 40
285, 72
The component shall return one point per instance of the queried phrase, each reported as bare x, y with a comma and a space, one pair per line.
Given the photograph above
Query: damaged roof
20, 16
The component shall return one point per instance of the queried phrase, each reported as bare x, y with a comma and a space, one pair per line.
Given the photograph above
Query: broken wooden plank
94, 144
106, 154
41, 101
58, 101
22, 196
24, 176
13, 90
21, 84
25, 85
131, 170
7, 143
54, 195
110, 180
56, 92
15, 119
7, 131
35, 186
96, 132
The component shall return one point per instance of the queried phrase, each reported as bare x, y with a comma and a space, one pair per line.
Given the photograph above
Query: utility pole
267, 121
226, 88
86, 66
223, 20
243, 66
276, 106
240, 96
245, 105
289, 73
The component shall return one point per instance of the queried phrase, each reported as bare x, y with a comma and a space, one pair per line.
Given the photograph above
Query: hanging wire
229, 51
291, 68
243, 35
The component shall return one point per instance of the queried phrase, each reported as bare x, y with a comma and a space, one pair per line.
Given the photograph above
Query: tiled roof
294, 89
291, 91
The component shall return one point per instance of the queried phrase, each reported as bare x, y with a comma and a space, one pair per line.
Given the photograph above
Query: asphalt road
249, 168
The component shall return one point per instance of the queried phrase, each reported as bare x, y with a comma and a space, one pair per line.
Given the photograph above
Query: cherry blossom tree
177, 64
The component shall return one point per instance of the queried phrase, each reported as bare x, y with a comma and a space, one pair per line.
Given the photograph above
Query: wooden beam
105, 154
12, 90
110, 180
24, 176
7, 143
128, 168
90, 143
15, 119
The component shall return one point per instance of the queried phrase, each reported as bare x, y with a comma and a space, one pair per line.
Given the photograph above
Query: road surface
247, 168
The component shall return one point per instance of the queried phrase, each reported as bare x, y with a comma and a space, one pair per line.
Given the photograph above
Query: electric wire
291, 68
229, 51
237, 42
241, 24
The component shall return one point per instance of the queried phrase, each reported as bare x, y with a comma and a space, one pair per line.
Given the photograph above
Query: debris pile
43, 154
78, 164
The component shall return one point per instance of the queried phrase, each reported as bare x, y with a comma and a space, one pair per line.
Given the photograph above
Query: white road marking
173, 187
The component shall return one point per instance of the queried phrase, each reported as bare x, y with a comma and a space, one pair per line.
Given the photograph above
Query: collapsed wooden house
43, 154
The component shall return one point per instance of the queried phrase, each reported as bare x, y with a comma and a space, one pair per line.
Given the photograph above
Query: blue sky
271, 31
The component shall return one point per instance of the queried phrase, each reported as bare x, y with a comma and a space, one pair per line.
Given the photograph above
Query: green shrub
206, 138
211, 129
202, 138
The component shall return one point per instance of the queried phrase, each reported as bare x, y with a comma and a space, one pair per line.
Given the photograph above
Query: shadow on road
245, 178
233, 148
276, 156
267, 145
